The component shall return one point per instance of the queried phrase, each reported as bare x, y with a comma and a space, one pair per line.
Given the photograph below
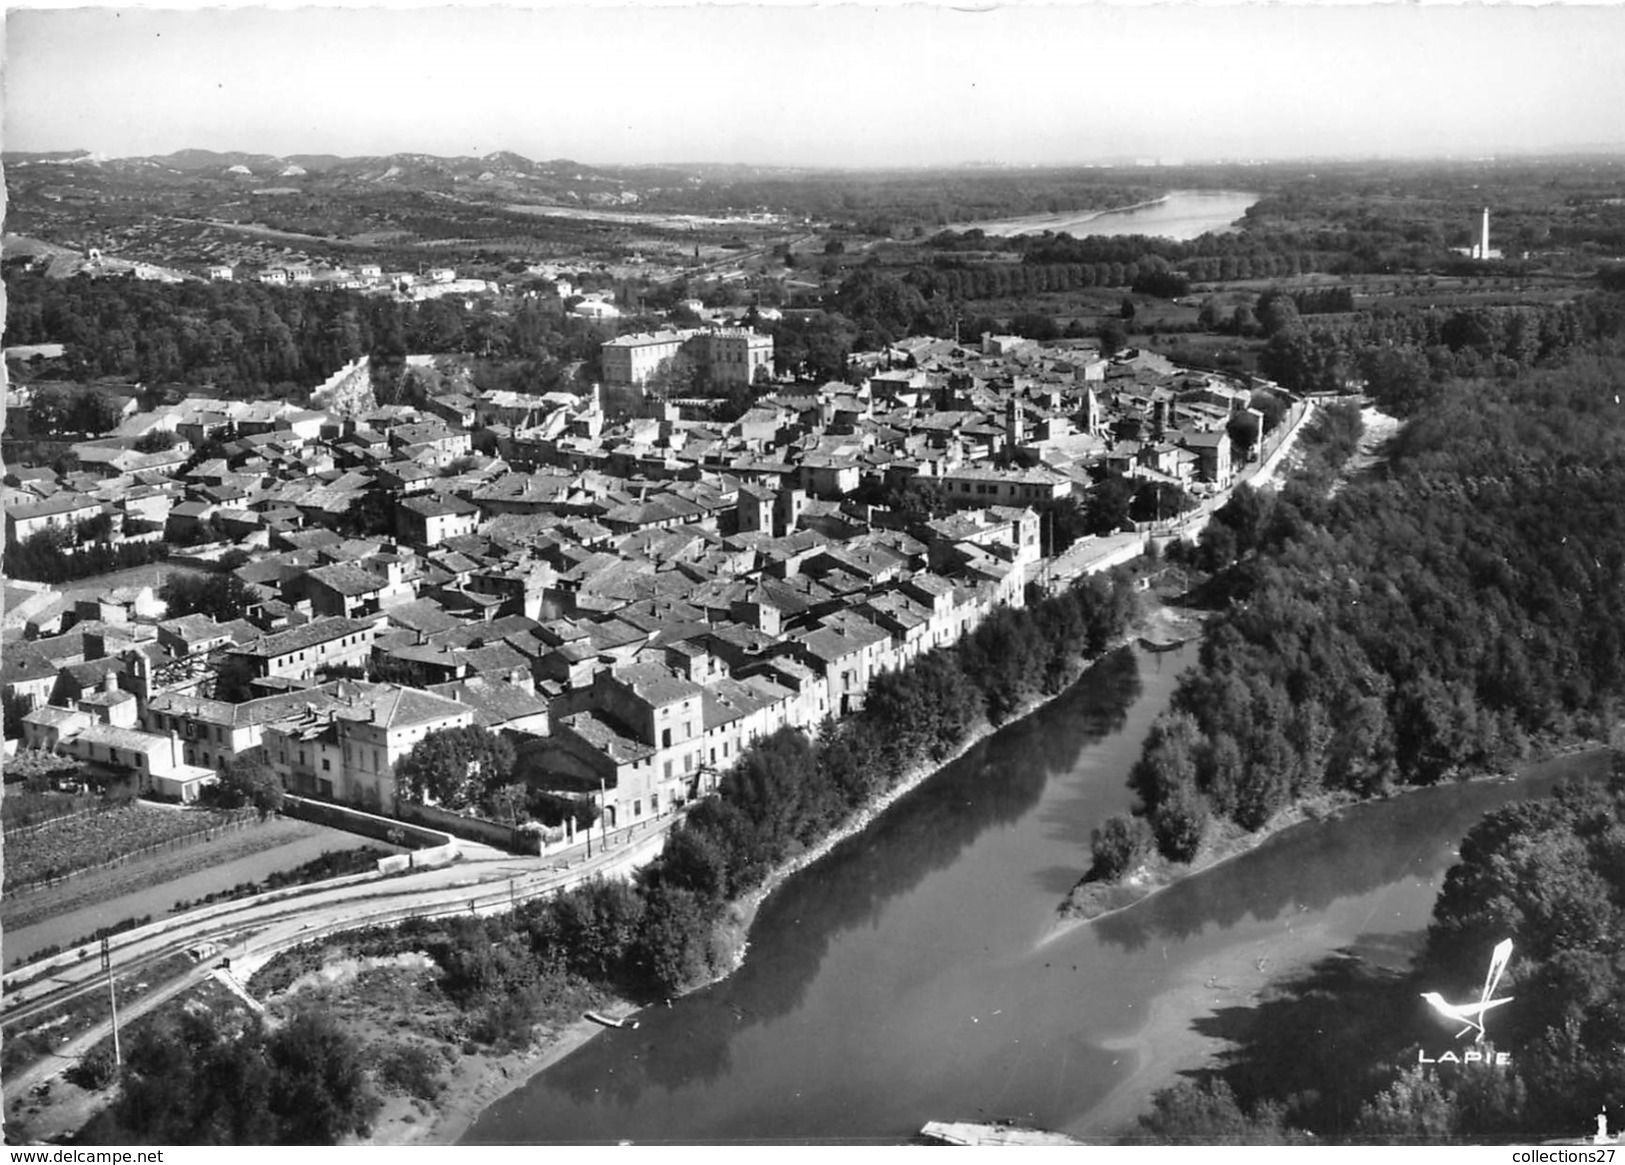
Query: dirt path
1380, 429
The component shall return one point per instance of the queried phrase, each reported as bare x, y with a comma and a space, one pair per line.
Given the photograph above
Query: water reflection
997, 782
1311, 866
896, 981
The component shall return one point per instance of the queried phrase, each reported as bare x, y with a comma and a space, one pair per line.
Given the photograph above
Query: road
253, 930
1088, 555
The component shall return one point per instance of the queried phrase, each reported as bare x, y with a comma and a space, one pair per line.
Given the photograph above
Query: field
22, 809
68, 844
156, 884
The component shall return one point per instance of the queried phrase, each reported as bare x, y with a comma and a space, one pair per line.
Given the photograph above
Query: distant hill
404, 168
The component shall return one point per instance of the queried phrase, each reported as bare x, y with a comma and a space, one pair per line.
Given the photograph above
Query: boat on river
607, 1021
998, 1132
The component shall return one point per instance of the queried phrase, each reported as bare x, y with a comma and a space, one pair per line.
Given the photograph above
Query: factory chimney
1484, 236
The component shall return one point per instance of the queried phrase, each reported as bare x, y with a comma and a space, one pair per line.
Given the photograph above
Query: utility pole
112, 996
603, 814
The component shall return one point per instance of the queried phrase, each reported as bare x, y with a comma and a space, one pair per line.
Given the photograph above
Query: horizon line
1125, 161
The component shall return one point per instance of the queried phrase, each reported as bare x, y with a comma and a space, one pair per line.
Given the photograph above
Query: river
916, 973
1181, 215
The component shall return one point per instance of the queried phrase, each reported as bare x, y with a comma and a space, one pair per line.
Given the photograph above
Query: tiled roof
348, 579
306, 636
605, 738
397, 707
656, 684
66, 504
494, 703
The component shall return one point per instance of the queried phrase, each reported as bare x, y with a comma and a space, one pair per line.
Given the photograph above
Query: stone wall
348, 392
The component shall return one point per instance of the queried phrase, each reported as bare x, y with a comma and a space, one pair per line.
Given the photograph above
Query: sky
819, 85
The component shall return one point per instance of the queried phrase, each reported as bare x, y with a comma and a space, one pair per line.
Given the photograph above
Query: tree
1292, 358
1113, 338
1271, 406
97, 411
191, 1081
234, 679
16, 705
1244, 433
1209, 1114
157, 441
51, 409
883, 307
94, 1071
597, 925
1117, 845
691, 861
222, 596
318, 1087
1180, 823
1034, 326
674, 942
248, 780
1414, 1109
1106, 506
1277, 312
1397, 379
506, 802
455, 767
1162, 284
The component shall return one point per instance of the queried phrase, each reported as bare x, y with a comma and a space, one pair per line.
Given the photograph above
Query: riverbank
1177, 214
479, 1081
391, 1004
1199, 1017
484, 1080
1157, 622
1159, 626
1090, 901
1168, 1047
1062, 220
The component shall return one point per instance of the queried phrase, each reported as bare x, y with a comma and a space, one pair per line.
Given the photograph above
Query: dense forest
1406, 356
243, 339
1435, 621
1442, 617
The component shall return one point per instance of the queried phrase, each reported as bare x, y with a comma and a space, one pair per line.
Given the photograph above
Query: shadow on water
1070, 816
994, 784
1312, 865
1327, 1038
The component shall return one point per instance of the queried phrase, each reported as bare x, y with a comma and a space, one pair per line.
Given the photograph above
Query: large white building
634, 359
738, 356
347, 750
732, 356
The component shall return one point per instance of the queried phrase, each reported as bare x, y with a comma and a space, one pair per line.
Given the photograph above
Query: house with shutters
347, 750
300, 653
